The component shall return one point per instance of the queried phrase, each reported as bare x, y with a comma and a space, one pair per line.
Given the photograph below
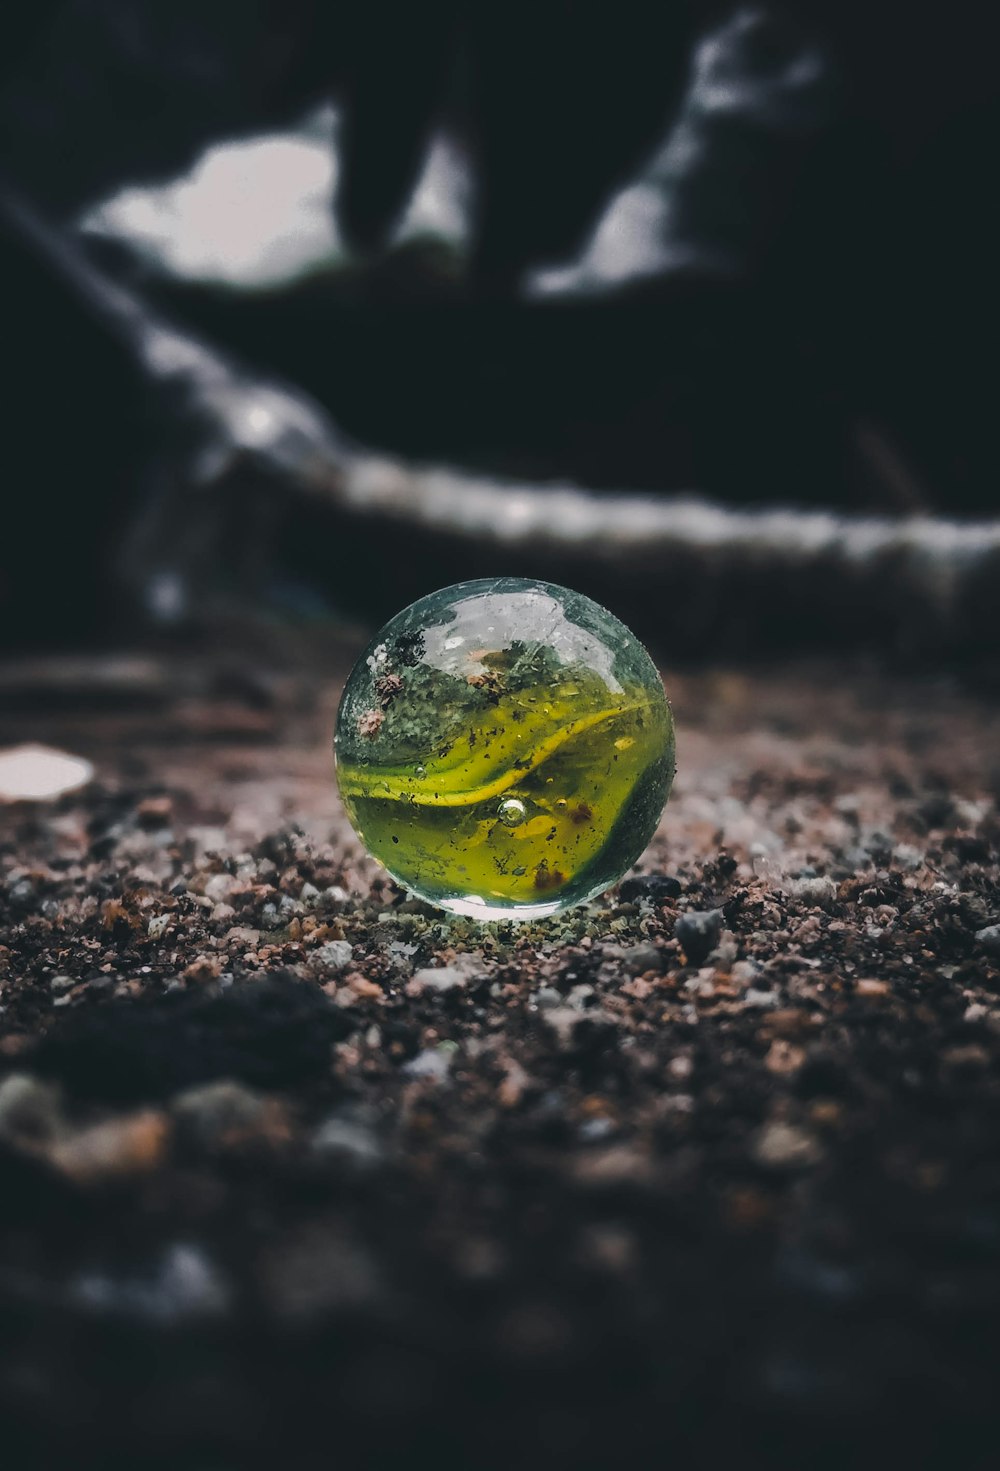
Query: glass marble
505, 748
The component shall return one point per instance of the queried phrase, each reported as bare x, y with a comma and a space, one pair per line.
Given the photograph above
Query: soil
296, 1171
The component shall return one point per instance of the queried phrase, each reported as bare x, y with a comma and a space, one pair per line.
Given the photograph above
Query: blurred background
310, 307
334, 303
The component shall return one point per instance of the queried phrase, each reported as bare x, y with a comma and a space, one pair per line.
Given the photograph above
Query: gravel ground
294, 1170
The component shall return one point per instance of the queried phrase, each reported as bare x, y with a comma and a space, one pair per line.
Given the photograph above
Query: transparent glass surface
504, 747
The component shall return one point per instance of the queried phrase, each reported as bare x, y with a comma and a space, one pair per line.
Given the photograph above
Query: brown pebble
970, 1056
361, 986
511, 1090
135, 1144
620, 1164
870, 987
205, 968
790, 1021
155, 811
784, 1057
638, 988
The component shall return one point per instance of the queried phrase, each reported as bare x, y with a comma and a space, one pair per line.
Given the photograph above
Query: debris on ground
712, 1157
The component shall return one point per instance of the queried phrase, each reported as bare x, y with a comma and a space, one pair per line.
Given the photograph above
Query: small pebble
349, 1140
988, 939
655, 888
333, 955
782, 1146
228, 1115
434, 1063
635, 959
872, 987
30, 1112
760, 998
203, 968
698, 933
436, 978
134, 1144
220, 886
818, 892
154, 811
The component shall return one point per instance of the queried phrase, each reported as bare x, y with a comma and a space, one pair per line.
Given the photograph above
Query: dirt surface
296, 1171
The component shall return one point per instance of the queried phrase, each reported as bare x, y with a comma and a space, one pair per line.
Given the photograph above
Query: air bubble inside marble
505, 748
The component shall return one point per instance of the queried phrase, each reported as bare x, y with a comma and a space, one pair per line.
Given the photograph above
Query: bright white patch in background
39, 774
181, 1287
748, 81
166, 597
442, 199
260, 211
627, 242
252, 212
